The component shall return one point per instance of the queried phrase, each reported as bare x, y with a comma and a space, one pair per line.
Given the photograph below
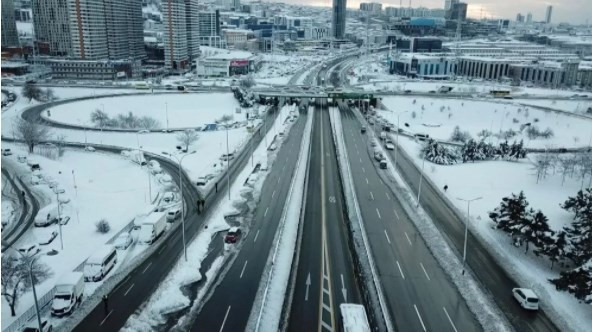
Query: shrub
103, 226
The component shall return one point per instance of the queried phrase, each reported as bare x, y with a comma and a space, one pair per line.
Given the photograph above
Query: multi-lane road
419, 294
325, 275
231, 301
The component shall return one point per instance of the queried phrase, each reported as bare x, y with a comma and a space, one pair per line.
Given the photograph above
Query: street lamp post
166, 105
59, 217
30, 261
398, 134
467, 226
180, 161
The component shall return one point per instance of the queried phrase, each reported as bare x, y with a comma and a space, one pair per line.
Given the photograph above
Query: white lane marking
419, 316
225, 317
387, 237
146, 268
396, 214
128, 290
162, 249
372, 195
358, 151
121, 284
387, 196
367, 181
378, 212
104, 319
450, 320
273, 194
265, 214
278, 181
363, 170
424, 271
243, 271
400, 270
256, 236
408, 239
360, 159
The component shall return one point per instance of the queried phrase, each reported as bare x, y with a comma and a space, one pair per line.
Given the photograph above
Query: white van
527, 298
46, 216
100, 263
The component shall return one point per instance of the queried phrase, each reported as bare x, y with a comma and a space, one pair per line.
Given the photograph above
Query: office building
9, 33
52, 29
423, 66
338, 20
529, 18
449, 3
520, 18
371, 7
181, 33
209, 23
106, 29
458, 11
548, 14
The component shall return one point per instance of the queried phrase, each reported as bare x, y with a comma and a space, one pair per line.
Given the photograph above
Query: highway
419, 294
230, 304
325, 275
485, 267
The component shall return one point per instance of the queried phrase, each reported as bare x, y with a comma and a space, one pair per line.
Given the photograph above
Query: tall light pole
420, 178
166, 106
226, 119
398, 134
59, 216
30, 261
467, 227
180, 160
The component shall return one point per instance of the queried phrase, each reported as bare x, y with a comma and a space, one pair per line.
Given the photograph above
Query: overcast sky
571, 11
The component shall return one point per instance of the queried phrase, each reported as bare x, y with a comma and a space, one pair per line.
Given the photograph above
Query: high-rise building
529, 18
548, 14
449, 3
458, 11
372, 7
9, 33
52, 30
106, 29
338, 21
520, 18
209, 23
181, 33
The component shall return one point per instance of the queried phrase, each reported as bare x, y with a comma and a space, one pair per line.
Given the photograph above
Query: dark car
363, 130
233, 235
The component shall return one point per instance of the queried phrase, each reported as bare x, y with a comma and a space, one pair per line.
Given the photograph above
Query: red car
233, 235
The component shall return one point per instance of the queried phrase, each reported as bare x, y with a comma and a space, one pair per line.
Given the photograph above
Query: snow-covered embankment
267, 311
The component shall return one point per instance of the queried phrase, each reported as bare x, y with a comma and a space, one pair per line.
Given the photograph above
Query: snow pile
270, 309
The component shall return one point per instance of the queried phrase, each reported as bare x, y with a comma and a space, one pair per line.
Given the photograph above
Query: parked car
168, 197
123, 241
389, 146
201, 181
33, 326
363, 130
144, 131
29, 249
226, 157
527, 298
6, 152
64, 220
233, 235
89, 149
21, 159
173, 214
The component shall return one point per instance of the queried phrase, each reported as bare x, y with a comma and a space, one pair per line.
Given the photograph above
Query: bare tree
32, 91
61, 144
99, 118
16, 279
31, 132
187, 138
49, 95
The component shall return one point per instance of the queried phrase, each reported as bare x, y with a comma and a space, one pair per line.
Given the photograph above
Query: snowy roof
230, 55
354, 318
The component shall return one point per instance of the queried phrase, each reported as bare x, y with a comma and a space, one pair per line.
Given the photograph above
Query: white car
33, 326
168, 197
6, 152
173, 214
89, 149
389, 146
527, 298
123, 241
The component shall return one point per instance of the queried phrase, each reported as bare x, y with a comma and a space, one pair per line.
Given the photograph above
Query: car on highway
526, 298
226, 157
363, 130
233, 235
173, 214
389, 146
168, 197
123, 241
143, 131
89, 149
421, 137
6, 152
33, 326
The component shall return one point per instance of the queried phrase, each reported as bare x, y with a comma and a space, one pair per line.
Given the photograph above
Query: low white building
223, 63
427, 66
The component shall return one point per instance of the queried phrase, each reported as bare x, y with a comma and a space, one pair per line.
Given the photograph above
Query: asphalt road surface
419, 294
229, 306
481, 262
325, 275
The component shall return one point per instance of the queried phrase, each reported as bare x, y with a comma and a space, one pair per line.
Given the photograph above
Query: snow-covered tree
469, 151
511, 215
187, 137
16, 278
556, 250
439, 154
577, 281
535, 230
459, 136
579, 233
31, 132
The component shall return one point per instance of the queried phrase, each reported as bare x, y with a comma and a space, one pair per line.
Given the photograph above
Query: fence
31, 312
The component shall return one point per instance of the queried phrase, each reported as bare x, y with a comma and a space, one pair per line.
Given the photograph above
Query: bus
499, 93
353, 318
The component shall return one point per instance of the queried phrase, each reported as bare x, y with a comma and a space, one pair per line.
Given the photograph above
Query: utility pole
59, 217
467, 227
420, 178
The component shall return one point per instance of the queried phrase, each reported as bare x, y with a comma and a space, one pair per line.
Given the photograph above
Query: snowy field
494, 180
573, 106
169, 297
278, 69
98, 186
439, 117
184, 110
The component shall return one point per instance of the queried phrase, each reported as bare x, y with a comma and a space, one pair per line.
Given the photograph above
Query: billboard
239, 63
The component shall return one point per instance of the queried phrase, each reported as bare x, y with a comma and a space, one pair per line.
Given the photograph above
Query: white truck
152, 227
353, 317
68, 294
137, 157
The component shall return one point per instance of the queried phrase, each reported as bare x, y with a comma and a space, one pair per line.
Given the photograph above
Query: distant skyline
570, 11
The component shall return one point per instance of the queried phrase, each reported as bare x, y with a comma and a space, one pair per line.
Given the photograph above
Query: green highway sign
350, 95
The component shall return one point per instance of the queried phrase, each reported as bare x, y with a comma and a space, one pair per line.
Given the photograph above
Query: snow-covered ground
9, 203
98, 186
438, 117
494, 180
184, 110
574, 106
169, 297
277, 69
